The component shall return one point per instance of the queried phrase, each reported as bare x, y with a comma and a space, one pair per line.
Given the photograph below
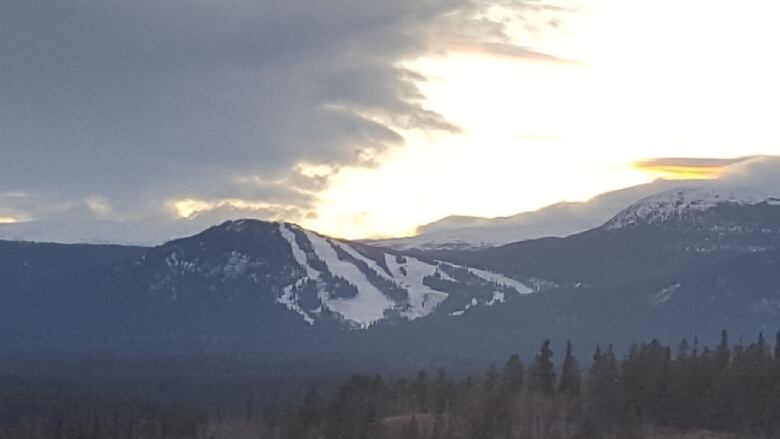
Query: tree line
653, 391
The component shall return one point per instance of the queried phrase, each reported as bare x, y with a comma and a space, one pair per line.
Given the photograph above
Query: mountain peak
320, 278
687, 205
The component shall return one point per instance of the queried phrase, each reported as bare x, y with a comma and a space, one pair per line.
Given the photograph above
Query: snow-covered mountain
667, 232
557, 220
694, 207
313, 277
377, 284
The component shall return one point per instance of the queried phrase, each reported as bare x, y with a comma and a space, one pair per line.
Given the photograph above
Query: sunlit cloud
468, 107
8, 220
687, 168
498, 50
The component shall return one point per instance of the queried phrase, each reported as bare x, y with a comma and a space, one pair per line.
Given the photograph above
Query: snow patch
369, 305
474, 302
411, 275
502, 280
664, 295
498, 297
288, 299
297, 251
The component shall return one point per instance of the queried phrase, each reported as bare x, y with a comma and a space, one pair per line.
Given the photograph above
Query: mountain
684, 262
557, 220
92, 231
660, 233
715, 208
252, 282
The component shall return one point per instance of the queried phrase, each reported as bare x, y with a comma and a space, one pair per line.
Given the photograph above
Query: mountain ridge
275, 288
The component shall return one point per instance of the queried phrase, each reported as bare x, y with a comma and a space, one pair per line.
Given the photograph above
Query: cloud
681, 168
758, 171
499, 50
749, 171
116, 109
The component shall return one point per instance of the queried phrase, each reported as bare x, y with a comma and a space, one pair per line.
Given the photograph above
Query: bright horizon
536, 132
484, 108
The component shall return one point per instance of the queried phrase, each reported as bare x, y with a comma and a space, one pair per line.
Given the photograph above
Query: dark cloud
137, 102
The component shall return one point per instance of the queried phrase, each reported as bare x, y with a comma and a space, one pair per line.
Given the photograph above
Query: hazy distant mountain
558, 220
88, 231
454, 232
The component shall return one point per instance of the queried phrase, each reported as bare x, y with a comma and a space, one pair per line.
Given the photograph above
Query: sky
369, 118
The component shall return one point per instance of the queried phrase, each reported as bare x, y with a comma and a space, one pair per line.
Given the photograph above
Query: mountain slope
24, 265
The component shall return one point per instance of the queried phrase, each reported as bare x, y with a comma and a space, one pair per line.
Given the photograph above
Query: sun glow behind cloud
652, 79
687, 168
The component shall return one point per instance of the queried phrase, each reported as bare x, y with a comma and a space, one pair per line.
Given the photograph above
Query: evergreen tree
443, 392
513, 375
604, 393
569, 384
541, 374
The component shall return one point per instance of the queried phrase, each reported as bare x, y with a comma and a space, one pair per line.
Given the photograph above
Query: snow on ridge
676, 203
297, 251
288, 299
498, 297
500, 279
474, 302
348, 249
369, 305
664, 295
423, 300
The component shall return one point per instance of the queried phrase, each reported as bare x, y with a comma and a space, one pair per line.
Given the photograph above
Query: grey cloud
140, 102
761, 171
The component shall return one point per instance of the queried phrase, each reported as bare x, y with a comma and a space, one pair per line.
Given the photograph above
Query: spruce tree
541, 375
513, 375
569, 385
604, 393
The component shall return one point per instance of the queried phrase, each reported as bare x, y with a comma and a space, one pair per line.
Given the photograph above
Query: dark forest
653, 391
